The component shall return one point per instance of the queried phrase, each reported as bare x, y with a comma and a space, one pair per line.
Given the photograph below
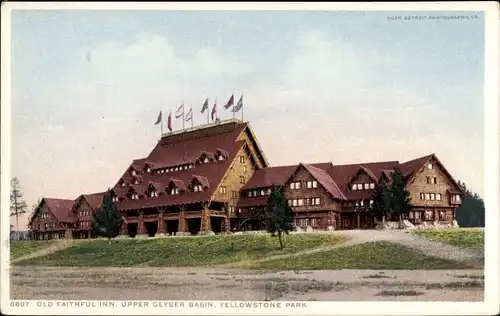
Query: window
262, 192
438, 196
428, 179
148, 170
427, 196
295, 185
442, 215
410, 215
361, 203
455, 198
317, 201
197, 188
221, 157
367, 186
294, 202
231, 209
242, 180
315, 184
234, 194
242, 159
429, 215
245, 169
174, 191
354, 187
422, 196
123, 183
371, 202
249, 193
268, 191
313, 221
372, 185
418, 215
433, 196
133, 172
289, 202
429, 166
301, 202
223, 190
434, 180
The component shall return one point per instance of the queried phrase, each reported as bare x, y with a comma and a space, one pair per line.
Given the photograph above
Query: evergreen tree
18, 205
280, 216
400, 198
381, 200
107, 221
471, 213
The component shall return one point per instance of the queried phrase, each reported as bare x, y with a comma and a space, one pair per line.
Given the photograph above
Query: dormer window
132, 172
221, 157
372, 186
354, 187
205, 160
197, 188
249, 193
174, 191
134, 196
123, 183
153, 193
136, 181
115, 199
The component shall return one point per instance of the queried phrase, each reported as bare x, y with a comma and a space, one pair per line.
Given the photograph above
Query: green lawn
374, 255
461, 237
23, 248
179, 251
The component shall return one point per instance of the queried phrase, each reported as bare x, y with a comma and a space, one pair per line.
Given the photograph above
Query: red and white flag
214, 110
230, 102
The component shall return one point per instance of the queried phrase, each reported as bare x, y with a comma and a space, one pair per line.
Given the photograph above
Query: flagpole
234, 113
161, 124
208, 112
242, 106
192, 116
183, 116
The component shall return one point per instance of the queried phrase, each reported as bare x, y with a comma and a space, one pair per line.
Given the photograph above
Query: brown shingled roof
61, 208
326, 181
182, 149
94, 199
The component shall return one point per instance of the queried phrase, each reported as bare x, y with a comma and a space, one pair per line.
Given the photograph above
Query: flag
180, 111
205, 106
169, 121
189, 115
230, 102
158, 120
214, 110
238, 105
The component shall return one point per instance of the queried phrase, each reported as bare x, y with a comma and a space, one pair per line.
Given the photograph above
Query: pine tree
18, 205
471, 212
107, 221
381, 200
400, 198
280, 216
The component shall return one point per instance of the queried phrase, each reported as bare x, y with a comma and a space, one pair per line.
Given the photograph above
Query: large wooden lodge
216, 178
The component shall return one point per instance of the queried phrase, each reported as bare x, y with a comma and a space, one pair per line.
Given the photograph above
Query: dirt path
402, 237
59, 245
30, 282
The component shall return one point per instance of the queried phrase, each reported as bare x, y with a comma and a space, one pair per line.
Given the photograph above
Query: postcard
250, 158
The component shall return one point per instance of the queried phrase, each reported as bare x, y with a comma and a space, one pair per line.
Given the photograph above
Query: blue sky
318, 86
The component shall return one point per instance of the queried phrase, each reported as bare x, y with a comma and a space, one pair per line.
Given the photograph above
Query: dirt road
232, 284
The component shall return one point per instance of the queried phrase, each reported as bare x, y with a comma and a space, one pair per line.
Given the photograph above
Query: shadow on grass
399, 293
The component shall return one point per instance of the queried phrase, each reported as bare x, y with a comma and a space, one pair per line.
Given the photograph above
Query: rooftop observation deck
199, 127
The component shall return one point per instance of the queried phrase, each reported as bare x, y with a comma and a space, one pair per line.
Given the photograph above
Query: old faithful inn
215, 178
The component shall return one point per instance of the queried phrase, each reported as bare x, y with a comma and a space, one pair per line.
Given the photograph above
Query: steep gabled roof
61, 208
186, 148
326, 181
342, 175
202, 180
94, 199
409, 168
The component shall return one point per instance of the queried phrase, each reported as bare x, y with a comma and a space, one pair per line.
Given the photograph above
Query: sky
344, 87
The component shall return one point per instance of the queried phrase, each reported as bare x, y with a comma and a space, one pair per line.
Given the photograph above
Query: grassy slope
465, 238
23, 248
179, 251
374, 255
